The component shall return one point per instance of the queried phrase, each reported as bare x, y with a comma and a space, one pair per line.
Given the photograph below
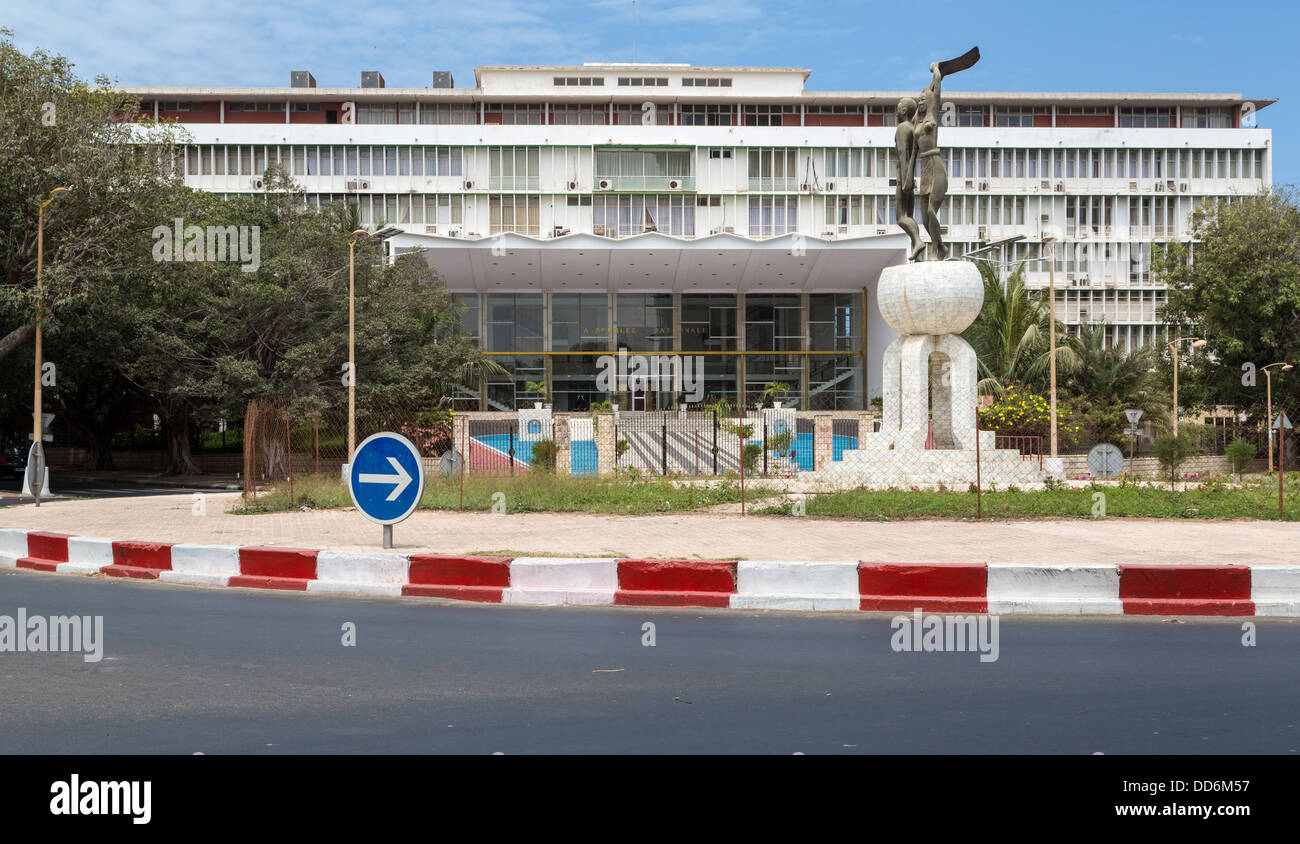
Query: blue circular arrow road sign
386, 478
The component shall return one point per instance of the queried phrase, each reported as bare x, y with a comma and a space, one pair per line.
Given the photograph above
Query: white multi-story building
726, 212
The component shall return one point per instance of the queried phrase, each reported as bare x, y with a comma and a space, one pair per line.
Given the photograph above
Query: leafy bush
1239, 453
1172, 451
750, 455
543, 456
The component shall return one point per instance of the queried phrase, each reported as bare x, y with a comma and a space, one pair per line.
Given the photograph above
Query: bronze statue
905, 184
924, 133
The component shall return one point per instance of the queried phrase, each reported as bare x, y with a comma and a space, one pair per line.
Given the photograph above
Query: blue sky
1099, 45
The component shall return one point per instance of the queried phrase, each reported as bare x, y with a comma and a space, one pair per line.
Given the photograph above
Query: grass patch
523, 493
1209, 501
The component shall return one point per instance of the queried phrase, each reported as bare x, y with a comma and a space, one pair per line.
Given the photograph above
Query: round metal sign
1105, 460
386, 478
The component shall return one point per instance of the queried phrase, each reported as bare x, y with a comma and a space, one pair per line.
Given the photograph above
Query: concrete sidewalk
172, 519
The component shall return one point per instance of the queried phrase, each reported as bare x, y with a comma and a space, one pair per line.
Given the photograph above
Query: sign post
1134, 416
386, 480
1281, 423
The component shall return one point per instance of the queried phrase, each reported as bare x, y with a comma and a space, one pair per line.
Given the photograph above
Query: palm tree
1010, 336
1109, 381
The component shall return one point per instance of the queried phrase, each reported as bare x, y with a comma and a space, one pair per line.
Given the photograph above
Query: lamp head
1287, 366
1198, 343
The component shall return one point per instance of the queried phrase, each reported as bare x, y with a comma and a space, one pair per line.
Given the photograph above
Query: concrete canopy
653, 262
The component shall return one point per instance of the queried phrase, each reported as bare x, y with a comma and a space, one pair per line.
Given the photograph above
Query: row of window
625, 215
752, 114
779, 168
1104, 163
515, 322
324, 161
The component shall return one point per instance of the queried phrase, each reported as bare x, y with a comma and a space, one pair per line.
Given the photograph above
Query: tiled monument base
875, 464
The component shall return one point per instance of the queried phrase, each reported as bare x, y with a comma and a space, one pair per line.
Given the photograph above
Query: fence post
740, 429
823, 441
511, 454
1281, 466
979, 484
663, 446
563, 445
288, 453
715, 441
764, 442
464, 457
250, 453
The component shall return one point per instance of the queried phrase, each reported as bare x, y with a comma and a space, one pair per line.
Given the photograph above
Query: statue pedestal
929, 377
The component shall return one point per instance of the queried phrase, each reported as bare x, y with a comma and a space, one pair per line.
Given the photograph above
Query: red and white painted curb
1087, 589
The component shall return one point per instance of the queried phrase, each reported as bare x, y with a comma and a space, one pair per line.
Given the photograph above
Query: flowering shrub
1019, 412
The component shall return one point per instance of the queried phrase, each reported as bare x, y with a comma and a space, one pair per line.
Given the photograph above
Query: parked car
13, 459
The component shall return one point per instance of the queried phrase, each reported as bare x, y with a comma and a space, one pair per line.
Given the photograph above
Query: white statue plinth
930, 375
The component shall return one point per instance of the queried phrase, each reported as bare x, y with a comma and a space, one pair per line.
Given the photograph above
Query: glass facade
725, 344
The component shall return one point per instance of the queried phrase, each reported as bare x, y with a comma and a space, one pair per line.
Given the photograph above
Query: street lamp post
37, 427
352, 340
1268, 420
1050, 240
1197, 342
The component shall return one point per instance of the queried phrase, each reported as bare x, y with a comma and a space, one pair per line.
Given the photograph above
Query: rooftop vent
372, 79
442, 79
301, 79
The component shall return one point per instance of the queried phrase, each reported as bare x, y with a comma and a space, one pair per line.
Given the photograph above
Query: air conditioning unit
674, 184
358, 184
1060, 187
1046, 185
559, 231
1069, 276
1159, 187
1045, 218
984, 185
828, 234
970, 184
882, 231
430, 229
943, 229
984, 233
604, 184
599, 229
1182, 187
453, 232
806, 187
893, 183
1132, 185
573, 185
1170, 184
469, 184
844, 230
830, 186
257, 184
729, 229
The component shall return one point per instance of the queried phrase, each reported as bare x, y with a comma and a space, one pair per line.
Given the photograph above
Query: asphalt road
190, 670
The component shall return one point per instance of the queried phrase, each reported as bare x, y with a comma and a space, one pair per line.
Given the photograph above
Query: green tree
1238, 281
58, 131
